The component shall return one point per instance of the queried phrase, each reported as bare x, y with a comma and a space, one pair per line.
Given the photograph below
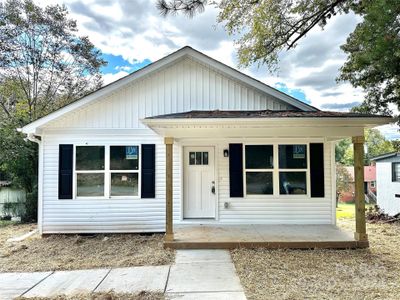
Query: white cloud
108, 78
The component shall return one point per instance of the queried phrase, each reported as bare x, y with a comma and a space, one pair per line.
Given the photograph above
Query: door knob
213, 187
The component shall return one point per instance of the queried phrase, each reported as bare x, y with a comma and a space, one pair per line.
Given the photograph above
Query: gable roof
164, 62
386, 156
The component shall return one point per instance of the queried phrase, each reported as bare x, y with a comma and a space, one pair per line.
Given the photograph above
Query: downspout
37, 139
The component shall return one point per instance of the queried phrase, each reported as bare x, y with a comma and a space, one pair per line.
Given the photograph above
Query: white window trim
275, 171
107, 174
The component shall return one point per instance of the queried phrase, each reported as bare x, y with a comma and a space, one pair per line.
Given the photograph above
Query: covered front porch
267, 236
264, 127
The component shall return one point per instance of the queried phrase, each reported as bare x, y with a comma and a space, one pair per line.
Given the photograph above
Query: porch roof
226, 114
263, 123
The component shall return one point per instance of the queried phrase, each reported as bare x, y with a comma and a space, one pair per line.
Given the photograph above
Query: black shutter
236, 170
65, 160
317, 170
148, 171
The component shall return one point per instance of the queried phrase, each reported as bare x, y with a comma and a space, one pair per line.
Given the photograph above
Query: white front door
199, 183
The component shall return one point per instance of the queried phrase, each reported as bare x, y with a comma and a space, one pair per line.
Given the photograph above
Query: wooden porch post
361, 232
169, 232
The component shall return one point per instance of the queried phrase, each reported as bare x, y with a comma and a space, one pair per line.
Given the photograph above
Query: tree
343, 181
373, 49
266, 27
340, 151
375, 144
42, 55
43, 65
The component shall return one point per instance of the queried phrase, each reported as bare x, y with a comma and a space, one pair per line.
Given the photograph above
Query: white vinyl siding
184, 86
148, 215
386, 188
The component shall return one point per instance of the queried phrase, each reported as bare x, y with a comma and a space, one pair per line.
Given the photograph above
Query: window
96, 178
198, 158
396, 172
124, 166
259, 164
89, 166
287, 165
292, 169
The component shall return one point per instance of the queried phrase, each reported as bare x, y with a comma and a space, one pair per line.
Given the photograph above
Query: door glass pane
205, 158
192, 158
259, 183
259, 157
90, 184
198, 158
292, 183
124, 184
90, 158
124, 157
292, 156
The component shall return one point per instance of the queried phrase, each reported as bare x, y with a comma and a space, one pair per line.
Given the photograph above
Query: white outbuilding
388, 182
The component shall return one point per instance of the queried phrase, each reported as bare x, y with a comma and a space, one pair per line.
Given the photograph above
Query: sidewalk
196, 274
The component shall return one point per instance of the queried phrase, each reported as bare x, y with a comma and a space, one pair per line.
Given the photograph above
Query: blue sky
117, 63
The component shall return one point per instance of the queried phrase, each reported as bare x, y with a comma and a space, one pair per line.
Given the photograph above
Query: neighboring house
388, 182
189, 140
369, 185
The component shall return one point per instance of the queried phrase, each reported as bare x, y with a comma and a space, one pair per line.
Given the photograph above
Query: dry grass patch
69, 252
104, 296
325, 274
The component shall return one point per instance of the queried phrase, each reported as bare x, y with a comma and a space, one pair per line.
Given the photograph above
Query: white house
189, 140
388, 182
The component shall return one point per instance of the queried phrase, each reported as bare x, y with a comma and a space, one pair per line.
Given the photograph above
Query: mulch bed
69, 252
325, 274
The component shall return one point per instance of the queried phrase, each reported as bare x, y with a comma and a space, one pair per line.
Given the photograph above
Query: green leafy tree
373, 49
264, 28
42, 54
44, 65
375, 144
340, 151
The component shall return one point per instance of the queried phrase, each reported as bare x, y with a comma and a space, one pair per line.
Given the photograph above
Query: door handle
213, 187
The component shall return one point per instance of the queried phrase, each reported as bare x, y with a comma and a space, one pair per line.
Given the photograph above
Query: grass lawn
345, 211
325, 274
69, 252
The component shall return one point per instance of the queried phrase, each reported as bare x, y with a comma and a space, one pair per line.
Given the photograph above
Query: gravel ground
104, 296
372, 273
69, 252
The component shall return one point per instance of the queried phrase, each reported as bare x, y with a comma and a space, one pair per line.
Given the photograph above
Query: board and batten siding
386, 189
148, 215
185, 86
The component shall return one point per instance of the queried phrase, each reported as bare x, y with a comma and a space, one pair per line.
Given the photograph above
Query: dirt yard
372, 273
68, 252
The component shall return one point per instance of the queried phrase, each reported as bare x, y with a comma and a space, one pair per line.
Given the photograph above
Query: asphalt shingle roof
215, 114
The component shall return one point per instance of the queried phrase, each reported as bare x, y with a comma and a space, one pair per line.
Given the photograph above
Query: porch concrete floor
267, 236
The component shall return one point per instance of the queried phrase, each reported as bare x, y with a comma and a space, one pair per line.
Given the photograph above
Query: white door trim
184, 148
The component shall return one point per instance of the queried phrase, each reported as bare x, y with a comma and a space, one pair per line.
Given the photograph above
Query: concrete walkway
196, 274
